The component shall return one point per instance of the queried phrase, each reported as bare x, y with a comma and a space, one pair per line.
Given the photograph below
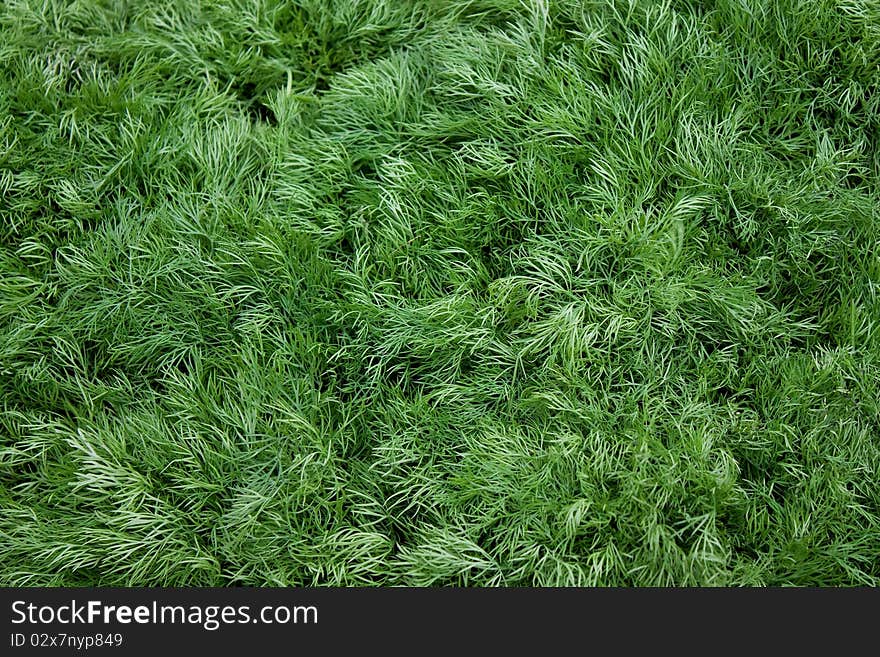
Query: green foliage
475, 292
